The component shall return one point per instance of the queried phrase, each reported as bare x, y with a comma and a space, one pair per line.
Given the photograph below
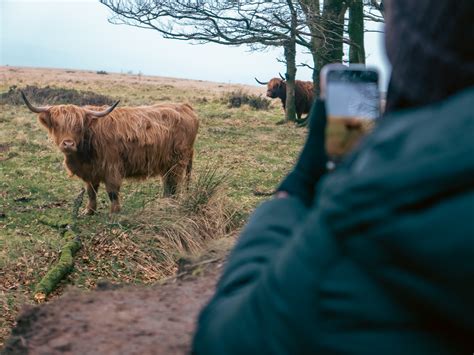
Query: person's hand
312, 162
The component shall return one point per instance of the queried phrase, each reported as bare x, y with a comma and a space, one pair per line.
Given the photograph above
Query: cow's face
66, 125
276, 88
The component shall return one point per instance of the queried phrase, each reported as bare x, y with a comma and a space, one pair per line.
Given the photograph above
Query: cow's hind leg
170, 185
113, 189
171, 180
189, 168
92, 189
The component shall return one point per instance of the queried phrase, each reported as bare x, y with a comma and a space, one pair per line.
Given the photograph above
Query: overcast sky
76, 34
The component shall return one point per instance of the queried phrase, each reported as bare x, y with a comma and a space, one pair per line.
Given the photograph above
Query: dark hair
429, 44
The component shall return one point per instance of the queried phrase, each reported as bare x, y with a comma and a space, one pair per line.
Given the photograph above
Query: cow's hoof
88, 212
115, 209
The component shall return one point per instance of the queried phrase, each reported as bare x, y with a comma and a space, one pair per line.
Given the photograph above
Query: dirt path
124, 320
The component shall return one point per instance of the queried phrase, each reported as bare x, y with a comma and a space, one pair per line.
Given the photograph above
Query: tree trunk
311, 9
333, 27
290, 83
356, 32
327, 30
318, 63
290, 58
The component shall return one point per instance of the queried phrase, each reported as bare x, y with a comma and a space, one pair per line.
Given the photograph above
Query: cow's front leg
113, 189
92, 189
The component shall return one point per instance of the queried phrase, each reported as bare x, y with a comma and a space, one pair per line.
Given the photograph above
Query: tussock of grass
239, 97
145, 247
200, 193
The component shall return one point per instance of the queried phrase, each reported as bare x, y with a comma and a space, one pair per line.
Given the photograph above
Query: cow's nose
68, 143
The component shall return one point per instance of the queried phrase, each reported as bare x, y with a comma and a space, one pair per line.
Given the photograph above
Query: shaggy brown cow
276, 88
106, 145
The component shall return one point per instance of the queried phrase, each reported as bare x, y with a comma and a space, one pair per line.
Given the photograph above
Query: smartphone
352, 99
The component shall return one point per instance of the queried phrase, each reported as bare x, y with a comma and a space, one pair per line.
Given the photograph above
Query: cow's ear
89, 120
45, 119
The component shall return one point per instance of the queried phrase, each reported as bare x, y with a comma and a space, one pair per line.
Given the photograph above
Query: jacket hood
426, 45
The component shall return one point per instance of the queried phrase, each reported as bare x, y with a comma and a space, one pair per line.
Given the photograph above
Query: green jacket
382, 264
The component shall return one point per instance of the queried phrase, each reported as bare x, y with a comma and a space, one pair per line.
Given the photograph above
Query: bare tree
318, 25
257, 24
374, 10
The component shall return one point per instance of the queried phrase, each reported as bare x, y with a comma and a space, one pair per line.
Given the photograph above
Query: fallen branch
66, 260
50, 223
63, 267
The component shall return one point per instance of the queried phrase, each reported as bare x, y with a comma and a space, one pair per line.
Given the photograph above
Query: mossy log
63, 267
66, 260
51, 223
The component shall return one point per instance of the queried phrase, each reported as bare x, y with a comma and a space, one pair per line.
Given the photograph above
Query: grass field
242, 146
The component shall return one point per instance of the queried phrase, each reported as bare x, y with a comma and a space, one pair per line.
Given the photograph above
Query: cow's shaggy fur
129, 142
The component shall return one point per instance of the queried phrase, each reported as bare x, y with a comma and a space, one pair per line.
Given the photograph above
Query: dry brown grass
80, 79
145, 246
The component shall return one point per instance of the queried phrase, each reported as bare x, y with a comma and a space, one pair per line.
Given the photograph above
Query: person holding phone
375, 257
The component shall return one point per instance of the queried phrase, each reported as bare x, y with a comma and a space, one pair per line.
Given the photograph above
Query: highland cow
276, 88
106, 145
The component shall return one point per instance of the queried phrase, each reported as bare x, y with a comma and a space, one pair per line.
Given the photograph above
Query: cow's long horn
102, 113
261, 82
31, 107
282, 77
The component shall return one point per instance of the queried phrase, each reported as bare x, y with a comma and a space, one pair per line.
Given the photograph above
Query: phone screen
352, 106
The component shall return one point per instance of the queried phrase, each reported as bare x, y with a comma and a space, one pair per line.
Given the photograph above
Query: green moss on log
64, 266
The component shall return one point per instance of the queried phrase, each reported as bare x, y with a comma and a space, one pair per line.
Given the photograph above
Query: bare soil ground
119, 320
